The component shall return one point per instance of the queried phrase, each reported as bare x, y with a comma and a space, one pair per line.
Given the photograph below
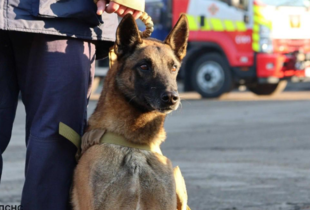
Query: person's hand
121, 10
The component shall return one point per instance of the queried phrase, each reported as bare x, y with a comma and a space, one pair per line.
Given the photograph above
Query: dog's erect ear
127, 35
177, 38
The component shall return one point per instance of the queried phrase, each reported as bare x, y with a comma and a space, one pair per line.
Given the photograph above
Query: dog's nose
170, 97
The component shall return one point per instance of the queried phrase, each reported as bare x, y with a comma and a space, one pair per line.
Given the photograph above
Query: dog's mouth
156, 105
165, 110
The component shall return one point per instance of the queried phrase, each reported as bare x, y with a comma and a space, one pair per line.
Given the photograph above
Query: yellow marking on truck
192, 22
255, 46
255, 37
217, 24
256, 28
240, 26
229, 25
262, 21
206, 26
258, 11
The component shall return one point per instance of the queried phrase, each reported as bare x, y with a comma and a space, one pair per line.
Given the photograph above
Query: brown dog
139, 90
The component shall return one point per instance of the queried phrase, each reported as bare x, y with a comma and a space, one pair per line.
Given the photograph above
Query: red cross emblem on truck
213, 9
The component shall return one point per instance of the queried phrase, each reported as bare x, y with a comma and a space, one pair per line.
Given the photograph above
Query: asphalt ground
244, 152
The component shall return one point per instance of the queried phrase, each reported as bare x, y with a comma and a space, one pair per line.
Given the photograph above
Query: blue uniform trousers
54, 75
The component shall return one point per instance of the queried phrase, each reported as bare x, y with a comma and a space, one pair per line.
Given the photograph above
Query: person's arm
121, 7
133, 4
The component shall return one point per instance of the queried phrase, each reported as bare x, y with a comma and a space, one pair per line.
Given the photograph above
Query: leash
149, 28
72, 136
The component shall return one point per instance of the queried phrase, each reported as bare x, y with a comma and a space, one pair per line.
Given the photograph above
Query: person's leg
8, 92
54, 77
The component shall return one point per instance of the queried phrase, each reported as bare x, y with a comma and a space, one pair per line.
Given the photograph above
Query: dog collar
107, 138
112, 138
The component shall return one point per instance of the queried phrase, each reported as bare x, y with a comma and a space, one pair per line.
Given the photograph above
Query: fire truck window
154, 10
244, 4
240, 4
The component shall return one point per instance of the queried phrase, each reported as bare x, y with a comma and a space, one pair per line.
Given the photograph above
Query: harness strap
112, 138
108, 138
70, 134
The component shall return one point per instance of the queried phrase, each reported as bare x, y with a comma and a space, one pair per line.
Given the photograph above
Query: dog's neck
115, 114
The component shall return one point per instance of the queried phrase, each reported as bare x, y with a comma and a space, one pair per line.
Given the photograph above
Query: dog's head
148, 68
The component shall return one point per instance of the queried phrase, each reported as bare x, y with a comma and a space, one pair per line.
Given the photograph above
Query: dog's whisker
132, 98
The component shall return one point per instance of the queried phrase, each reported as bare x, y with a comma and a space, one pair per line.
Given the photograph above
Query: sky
287, 2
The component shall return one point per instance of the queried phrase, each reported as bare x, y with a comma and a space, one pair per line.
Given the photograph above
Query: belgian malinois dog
139, 91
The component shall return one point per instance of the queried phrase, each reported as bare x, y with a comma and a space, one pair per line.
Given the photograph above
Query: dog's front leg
180, 189
82, 193
84, 202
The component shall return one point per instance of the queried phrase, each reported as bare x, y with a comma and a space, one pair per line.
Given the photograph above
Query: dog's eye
174, 68
144, 67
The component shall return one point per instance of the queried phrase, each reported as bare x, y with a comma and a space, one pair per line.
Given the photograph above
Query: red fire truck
259, 44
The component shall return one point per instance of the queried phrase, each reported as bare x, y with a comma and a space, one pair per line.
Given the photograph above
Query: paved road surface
252, 155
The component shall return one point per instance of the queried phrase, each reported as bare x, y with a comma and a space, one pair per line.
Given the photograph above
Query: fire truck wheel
211, 76
268, 89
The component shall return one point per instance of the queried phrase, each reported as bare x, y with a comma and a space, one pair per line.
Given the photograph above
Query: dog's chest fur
127, 178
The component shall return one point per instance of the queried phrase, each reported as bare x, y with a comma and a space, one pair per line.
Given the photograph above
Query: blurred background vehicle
257, 44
